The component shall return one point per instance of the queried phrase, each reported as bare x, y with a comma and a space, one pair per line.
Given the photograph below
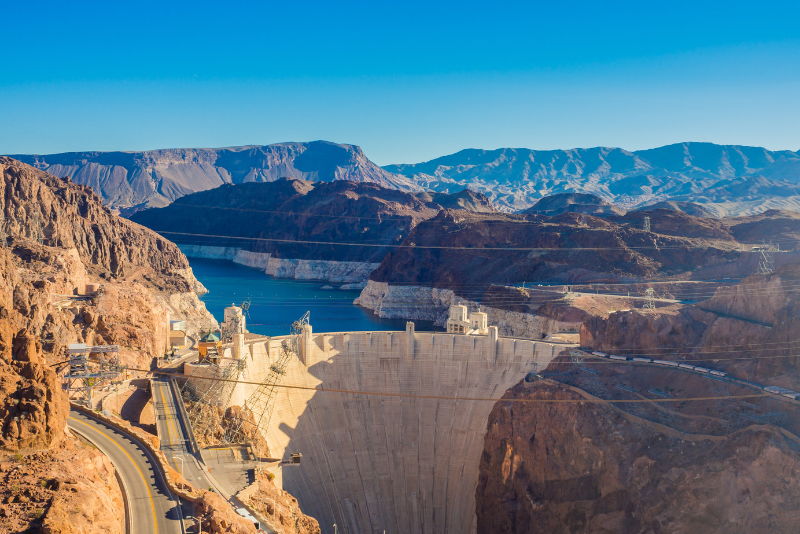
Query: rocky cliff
135, 180
748, 329
299, 229
145, 278
575, 203
432, 304
467, 252
727, 464
569, 467
57, 237
780, 227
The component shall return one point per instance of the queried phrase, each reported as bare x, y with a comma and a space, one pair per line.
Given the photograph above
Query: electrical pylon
262, 401
650, 300
767, 263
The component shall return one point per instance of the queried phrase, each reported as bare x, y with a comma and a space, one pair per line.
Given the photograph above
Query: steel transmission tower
767, 263
650, 300
85, 373
646, 223
219, 381
262, 401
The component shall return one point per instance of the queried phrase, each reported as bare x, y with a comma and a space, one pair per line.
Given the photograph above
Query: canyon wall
385, 461
57, 238
432, 304
586, 467
327, 270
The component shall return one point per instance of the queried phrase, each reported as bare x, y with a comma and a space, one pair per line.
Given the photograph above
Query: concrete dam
374, 463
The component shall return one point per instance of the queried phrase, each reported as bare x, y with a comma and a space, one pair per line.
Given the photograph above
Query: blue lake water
276, 302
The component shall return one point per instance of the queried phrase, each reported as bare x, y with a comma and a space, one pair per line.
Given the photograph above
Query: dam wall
374, 461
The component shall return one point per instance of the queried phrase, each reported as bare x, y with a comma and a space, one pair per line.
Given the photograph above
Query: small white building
460, 323
234, 320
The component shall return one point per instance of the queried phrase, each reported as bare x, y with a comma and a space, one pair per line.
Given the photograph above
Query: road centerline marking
141, 473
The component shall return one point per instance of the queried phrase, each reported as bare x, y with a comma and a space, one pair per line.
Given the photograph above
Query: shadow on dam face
372, 462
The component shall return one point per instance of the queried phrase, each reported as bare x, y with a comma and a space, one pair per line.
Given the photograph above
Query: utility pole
646, 223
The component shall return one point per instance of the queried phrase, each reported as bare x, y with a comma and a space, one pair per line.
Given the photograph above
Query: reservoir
276, 302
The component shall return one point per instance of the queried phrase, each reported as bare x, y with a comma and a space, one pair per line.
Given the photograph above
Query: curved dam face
374, 462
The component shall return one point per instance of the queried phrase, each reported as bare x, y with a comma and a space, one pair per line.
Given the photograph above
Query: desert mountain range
726, 180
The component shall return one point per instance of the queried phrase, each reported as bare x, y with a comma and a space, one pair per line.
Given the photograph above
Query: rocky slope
511, 249
43, 307
68, 489
574, 203
136, 180
748, 329
728, 179
677, 223
280, 507
586, 467
690, 208
776, 226
271, 222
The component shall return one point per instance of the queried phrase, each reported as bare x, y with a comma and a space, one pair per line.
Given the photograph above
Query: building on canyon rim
380, 456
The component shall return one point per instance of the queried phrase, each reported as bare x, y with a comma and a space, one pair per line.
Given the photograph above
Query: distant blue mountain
728, 179
725, 179
132, 181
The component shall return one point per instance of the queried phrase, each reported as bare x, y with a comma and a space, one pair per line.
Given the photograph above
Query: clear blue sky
407, 81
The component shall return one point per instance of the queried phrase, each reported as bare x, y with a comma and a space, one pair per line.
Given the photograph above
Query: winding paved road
153, 509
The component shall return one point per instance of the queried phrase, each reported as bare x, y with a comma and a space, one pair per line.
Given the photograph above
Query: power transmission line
445, 397
432, 247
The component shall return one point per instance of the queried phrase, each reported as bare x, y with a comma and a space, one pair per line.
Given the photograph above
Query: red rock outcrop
69, 489
50, 481
33, 410
278, 507
749, 330
217, 516
581, 467
503, 249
